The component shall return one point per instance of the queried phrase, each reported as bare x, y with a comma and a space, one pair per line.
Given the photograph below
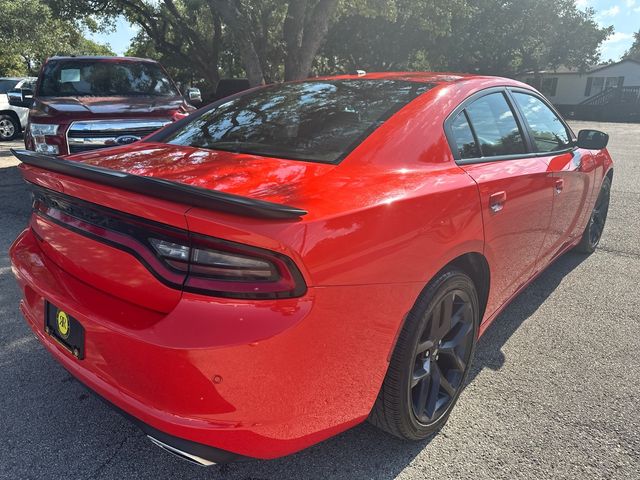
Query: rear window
318, 121
495, 126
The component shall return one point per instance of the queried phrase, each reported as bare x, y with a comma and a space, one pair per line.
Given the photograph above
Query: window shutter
620, 82
554, 86
587, 91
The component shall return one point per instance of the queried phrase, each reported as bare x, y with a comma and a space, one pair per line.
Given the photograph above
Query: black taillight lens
218, 267
180, 259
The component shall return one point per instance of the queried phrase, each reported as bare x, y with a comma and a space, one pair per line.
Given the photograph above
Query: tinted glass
317, 120
463, 137
104, 79
6, 85
495, 126
549, 133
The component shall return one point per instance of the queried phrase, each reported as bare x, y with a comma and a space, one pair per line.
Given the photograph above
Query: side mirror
194, 96
21, 97
592, 139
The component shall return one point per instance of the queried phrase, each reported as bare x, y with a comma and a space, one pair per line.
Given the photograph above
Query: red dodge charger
295, 259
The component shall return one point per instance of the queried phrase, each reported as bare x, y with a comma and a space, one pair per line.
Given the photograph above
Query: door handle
496, 201
559, 186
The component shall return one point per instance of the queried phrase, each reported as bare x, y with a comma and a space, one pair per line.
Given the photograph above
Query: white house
605, 88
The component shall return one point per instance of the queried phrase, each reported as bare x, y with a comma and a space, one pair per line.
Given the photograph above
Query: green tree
505, 37
270, 37
273, 40
31, 33
401, 34
634, 52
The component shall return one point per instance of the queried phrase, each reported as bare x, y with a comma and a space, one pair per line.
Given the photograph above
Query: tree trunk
251, 62
304, 30
231, 15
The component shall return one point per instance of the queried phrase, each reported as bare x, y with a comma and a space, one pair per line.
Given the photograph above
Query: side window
495, 126
463, 137
549, 133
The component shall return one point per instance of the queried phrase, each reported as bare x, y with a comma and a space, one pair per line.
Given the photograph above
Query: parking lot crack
620, 253
96, 473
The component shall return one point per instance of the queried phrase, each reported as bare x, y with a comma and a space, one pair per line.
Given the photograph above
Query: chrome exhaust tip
203, 462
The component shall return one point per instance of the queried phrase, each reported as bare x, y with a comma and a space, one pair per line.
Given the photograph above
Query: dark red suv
86, 103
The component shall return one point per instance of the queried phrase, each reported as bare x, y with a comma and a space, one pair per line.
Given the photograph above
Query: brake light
214, 263
224, 268
180, 259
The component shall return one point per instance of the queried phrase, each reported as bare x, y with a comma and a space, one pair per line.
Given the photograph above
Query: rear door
489, 143
570, 171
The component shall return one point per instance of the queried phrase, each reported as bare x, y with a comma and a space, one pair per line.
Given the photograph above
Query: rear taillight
180, 259
224, 268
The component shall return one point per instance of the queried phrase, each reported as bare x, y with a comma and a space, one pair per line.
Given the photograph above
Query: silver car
13, 119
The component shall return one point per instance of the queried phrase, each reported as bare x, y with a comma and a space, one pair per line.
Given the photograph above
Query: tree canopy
271, 40
31, 33
634, 52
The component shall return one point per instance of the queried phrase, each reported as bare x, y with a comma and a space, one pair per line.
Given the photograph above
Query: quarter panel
399, 239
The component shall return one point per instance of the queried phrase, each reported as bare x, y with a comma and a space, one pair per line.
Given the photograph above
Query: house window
549, 86
546, 85
595, 85
611, 82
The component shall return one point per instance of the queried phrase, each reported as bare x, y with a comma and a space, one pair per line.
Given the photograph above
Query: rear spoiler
159, 188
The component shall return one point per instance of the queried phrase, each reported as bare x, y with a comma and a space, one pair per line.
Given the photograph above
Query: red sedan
298, 258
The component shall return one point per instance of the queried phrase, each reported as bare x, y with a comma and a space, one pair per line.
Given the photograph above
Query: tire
401, 408
593, 231
9, 128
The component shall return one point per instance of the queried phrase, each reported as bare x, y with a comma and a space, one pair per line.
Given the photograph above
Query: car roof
422, 77
102, 58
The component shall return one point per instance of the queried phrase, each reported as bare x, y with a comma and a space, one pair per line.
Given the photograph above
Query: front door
570, 172
514, 191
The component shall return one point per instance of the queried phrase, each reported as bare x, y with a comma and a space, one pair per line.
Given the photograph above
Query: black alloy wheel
593, 232
431, 359
441, 357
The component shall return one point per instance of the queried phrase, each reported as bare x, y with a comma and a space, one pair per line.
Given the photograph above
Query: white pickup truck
13, 119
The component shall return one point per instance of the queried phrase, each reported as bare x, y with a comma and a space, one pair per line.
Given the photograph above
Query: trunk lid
276, 180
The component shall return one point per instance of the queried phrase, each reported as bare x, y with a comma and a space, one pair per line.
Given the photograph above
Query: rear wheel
593, 231
431, 360
9, 128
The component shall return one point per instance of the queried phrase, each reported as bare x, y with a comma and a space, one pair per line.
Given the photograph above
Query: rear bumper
256, 379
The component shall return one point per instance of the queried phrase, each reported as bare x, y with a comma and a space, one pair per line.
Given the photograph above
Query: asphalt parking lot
554, 391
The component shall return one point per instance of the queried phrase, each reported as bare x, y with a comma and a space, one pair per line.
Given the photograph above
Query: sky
120, 38
624, 15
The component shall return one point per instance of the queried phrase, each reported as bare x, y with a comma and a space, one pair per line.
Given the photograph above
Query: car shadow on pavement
489, 349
